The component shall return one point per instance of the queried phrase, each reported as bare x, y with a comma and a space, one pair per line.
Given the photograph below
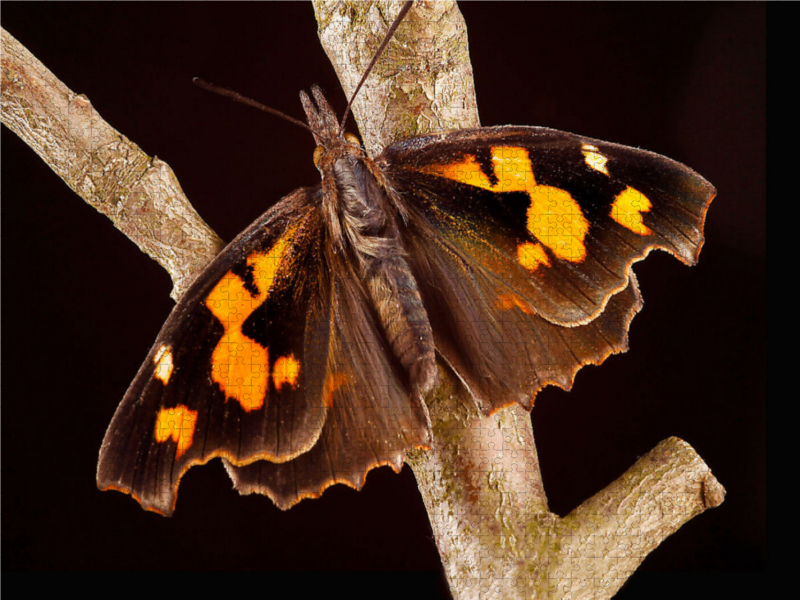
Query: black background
82, 305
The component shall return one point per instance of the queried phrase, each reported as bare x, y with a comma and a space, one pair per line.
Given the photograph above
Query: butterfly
303, 354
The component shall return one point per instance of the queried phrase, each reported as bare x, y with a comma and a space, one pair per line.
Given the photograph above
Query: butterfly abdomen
371, 234
397, 300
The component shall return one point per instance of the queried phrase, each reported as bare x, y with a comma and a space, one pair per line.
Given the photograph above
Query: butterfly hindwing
559, 217
496, 344
238, 370
522, 240
274, 362
372, 419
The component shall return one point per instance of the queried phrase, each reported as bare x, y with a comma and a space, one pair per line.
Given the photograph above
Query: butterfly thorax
361, 221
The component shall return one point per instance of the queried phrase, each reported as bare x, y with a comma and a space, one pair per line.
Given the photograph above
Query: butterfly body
362, 216
303, 354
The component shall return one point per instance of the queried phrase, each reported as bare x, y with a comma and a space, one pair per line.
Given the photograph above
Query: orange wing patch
511, 301
594, 159
628, 208
177, 424
531, 256
553, 217
239, 364
164, 364
467, 171
285, 371
333, 383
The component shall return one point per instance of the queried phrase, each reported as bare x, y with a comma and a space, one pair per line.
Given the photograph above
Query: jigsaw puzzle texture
494, 262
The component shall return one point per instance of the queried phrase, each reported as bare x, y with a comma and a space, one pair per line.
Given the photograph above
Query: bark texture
481, 482
139, 193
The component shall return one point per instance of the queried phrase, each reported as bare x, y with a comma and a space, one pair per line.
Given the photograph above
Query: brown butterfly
303, 353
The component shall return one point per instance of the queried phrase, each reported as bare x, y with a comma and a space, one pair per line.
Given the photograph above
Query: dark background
82, 305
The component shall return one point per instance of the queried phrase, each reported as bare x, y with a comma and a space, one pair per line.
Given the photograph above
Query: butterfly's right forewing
559, 217
522, 241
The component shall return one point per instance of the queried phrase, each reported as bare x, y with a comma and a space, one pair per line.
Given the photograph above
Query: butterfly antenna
210, 87
381, 48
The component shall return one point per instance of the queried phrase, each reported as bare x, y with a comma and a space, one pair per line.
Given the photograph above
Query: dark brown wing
501, 350
274, 356
522, 240
372, 418
238, 370
559, 217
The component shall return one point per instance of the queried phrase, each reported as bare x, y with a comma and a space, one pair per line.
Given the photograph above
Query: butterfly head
333, 143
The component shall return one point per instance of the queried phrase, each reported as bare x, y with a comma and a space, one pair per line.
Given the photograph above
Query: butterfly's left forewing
274, 362
239, 368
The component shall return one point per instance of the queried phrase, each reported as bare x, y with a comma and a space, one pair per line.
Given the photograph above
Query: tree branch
422, 83
140, 194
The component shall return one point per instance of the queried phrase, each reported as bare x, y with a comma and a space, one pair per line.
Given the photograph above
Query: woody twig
139, 193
